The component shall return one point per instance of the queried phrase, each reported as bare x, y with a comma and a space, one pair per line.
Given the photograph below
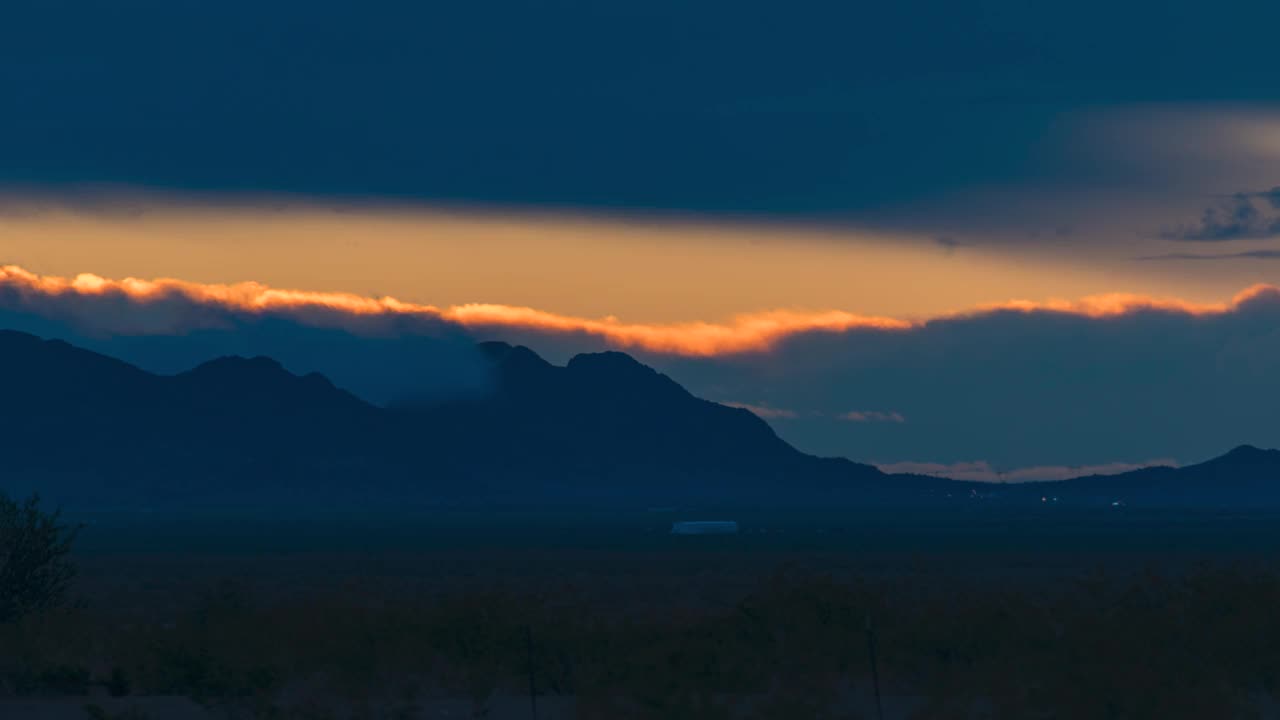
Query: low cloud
860, 416
766, 412
982, 471
98, 305
1238, 216
1243, 255
949, 242
104, 306
872, 416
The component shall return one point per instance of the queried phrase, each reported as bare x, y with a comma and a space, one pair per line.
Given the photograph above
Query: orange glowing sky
743, 333
655, 272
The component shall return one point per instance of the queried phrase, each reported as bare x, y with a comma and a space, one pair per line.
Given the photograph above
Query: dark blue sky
811, 108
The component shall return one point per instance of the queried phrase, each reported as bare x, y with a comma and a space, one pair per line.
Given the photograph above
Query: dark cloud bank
1020, 389
1239, 216
708, 106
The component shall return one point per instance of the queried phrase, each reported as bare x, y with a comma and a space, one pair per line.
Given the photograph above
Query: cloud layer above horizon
1021, 384
168, 306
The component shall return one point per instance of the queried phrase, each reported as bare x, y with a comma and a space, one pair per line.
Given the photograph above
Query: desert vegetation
566, 625
1200, 645
35, 565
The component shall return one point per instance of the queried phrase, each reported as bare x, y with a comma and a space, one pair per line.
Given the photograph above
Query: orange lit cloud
203, 305
872, 416
766, 412
1116, 304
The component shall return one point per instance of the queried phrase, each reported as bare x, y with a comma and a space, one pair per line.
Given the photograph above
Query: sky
992, 239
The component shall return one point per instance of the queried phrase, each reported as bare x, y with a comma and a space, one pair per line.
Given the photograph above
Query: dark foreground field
1106, 613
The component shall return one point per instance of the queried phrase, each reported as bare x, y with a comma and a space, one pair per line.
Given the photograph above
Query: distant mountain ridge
1246, 475
92, 430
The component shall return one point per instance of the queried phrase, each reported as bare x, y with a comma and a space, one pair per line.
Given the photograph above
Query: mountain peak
607, 358
1247, 454
239, 370
31, 357
494, 349
17, 336
501, 353
619, 372
12, 340
257, 382
519, 369
258, 363
610, 364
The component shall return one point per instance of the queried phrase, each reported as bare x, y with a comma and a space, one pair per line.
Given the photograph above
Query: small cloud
982, 471
872, 416
1272, 196
1245, 255
1237, 216
864, 416
764, 411
949, 242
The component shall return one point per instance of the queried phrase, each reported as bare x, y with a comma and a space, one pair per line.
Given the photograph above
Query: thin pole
533, 688
875, 674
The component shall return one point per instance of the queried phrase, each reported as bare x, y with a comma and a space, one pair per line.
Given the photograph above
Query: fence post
533, 688
875, 673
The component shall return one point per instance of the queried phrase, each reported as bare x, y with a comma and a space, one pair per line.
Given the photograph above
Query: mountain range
90, 430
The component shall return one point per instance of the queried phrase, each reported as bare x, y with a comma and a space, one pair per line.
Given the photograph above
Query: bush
117, 684
52, 680
96, 712
35, 569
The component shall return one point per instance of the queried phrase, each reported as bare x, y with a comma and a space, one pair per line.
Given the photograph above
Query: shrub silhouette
35, 565
96, 712
118, 683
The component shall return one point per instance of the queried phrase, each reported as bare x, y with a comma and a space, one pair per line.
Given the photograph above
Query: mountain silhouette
88, 429
93, 429
604, 425
1245, 476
